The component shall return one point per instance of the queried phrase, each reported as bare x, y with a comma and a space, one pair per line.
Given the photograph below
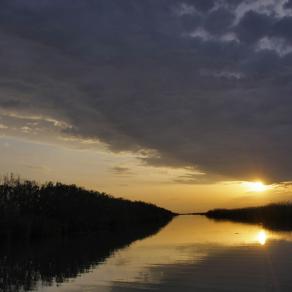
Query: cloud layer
200, 84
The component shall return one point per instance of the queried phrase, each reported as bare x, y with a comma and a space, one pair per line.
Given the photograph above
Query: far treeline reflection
54, 232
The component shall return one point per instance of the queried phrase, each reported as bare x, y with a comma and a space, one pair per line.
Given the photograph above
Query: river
191, 253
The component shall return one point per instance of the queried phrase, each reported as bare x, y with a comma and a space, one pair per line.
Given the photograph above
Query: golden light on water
262, 237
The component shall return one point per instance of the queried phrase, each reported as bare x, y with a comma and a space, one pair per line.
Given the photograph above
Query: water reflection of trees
46, 262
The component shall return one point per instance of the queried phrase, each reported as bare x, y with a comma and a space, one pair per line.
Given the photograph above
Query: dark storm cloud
204, 84
253, 26
282, 28
203, 5
219, 21
288, 4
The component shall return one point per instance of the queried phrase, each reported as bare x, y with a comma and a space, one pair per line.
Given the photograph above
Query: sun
262, 237
256, 186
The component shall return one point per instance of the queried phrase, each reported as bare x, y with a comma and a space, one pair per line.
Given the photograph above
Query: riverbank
273, 216
29, 211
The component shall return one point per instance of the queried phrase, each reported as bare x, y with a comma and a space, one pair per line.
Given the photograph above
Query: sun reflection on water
186, 245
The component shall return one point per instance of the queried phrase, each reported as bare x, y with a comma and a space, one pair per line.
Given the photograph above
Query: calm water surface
193, 253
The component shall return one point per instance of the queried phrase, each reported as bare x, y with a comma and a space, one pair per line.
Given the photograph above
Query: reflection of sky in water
194, 252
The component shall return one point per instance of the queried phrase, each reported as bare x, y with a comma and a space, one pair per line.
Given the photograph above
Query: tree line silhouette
277, 216
29, 210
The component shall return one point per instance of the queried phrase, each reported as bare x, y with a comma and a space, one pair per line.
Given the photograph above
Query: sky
180, 103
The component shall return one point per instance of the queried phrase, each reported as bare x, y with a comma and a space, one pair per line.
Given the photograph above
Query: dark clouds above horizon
205, 84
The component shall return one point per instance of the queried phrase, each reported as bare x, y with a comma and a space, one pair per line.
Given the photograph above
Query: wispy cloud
120, 170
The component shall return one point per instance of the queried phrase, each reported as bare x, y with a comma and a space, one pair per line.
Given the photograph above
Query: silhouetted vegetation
25, 265
273, 216
29, 210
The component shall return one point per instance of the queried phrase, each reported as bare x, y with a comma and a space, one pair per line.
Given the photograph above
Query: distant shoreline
196, 213
274, 216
